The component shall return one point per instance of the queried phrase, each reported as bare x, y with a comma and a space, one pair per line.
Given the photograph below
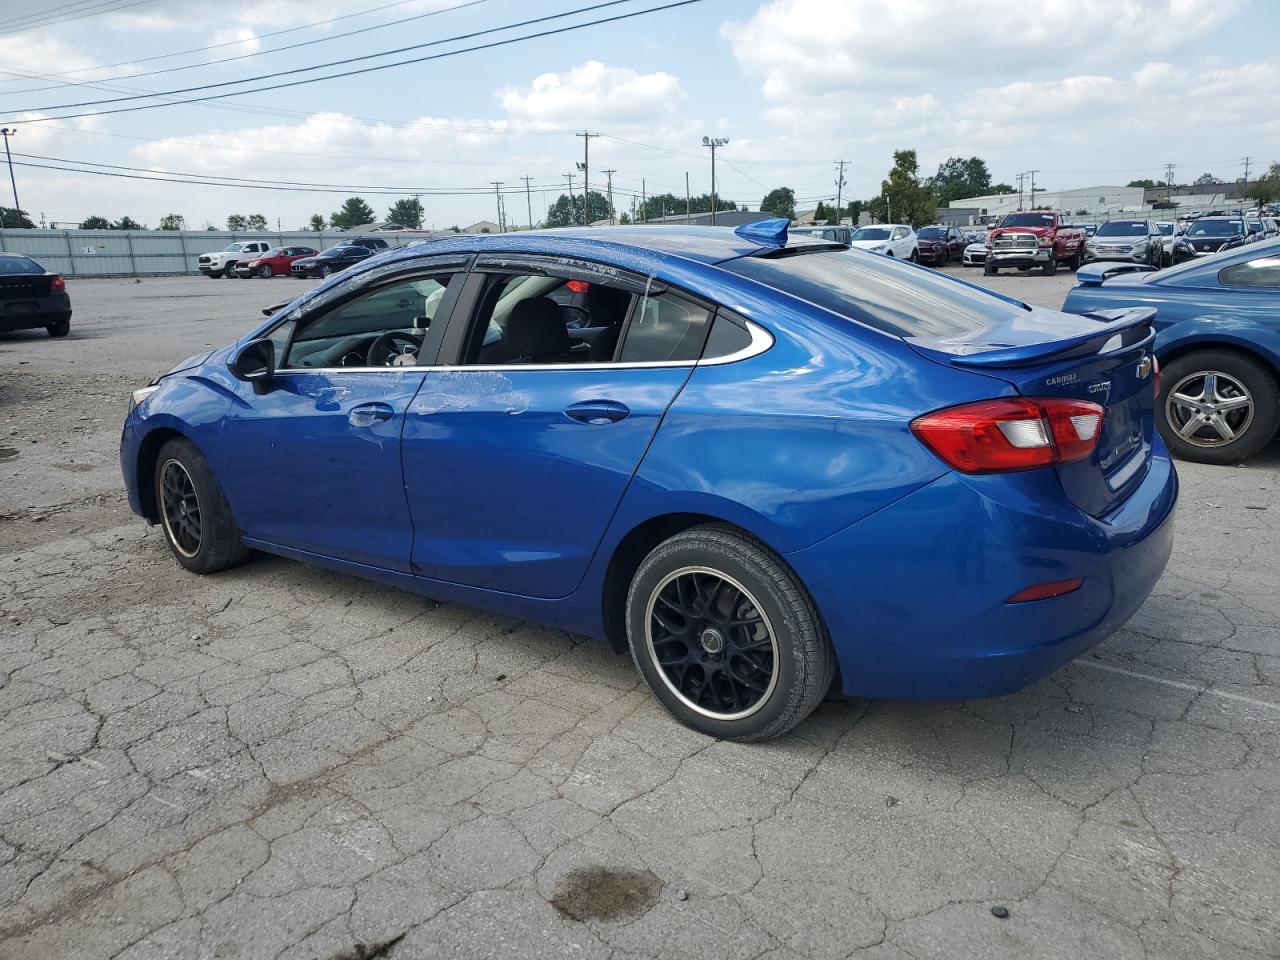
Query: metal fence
125, 253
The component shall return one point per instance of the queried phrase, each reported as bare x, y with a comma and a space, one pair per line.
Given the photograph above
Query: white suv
223, 263
891, 239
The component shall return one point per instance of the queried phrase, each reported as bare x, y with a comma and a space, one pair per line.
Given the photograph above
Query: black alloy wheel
180, 508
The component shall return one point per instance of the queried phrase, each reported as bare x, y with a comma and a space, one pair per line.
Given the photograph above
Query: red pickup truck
1034, 238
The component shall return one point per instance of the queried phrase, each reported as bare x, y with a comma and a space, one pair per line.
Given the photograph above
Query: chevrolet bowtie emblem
1144, 368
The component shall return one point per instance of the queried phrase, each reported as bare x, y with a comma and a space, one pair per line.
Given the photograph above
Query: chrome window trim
761, 340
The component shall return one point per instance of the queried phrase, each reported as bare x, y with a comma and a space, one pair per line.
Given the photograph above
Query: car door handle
597, 411
367, 414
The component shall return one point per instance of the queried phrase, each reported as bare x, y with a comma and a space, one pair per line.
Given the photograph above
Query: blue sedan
762, 465
1218, 342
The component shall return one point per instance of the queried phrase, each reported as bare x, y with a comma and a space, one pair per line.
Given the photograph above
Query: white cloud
234, 42
596, 94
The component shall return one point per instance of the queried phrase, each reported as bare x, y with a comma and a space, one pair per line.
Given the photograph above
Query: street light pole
8, 132
586, 175
713, 143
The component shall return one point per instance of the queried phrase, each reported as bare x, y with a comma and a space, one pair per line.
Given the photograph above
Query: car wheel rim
712, 643
1209, 408
180, 508
325, 271
265, 272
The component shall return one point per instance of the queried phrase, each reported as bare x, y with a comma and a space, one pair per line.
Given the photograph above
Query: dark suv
1210, 234
938, 244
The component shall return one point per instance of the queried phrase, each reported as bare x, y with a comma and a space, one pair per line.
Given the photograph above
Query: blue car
757, 462
1217, 340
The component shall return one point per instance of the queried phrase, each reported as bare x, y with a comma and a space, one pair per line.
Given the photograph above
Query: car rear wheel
59, 328
265, 271
726, 637
194, 513
990, 269
1218, 406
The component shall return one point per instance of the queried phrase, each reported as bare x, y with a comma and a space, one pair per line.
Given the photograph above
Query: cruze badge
1144, 368
1102, 387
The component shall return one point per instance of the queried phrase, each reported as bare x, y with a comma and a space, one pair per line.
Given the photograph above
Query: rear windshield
871, 233
1215, 228
1027, 220
14, 265
895, 298
1123, 228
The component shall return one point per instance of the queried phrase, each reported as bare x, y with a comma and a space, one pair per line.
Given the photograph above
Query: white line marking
1194, 688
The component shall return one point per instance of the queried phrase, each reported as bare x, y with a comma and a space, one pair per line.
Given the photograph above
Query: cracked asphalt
279, 762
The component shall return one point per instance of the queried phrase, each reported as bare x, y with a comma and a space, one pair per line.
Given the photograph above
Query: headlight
1090, 245
1140, 246
141, 394
1046, 242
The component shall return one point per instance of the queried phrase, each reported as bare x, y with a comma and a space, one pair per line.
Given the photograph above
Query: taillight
1015, 433
57, 283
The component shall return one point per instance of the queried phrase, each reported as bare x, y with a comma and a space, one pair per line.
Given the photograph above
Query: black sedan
31, 297
330, 261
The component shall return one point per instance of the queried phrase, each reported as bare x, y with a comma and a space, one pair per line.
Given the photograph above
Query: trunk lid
1105, 357
25, 286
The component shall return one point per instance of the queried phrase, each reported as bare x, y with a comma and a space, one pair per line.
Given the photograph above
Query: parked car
376, 244
975, 253
1175, 247
938, 245
1218, 343
836, 234
1271, 227
222, 263
1213, 234
31, 297
1134, 241
891, 239
330, 261
1035, 238
274, 263
694, 464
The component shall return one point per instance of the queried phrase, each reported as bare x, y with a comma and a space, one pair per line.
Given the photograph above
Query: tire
743, 580
989, 269
1074, 263
1235, 375
1051, 267
229, 270
59, 328
326, 271
914, 258
265, 271
194, 514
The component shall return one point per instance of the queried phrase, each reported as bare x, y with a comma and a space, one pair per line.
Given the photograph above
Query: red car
274, 263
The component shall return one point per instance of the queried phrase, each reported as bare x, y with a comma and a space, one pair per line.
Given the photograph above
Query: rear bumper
914, 596
35, 314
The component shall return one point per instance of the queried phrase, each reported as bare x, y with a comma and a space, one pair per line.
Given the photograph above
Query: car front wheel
1218, 406
265, 271
726, 637
193, 511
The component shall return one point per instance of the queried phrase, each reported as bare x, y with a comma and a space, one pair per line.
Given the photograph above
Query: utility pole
687, 205
1021, 178
644, 201
609, 189
15, 192
8, 132
1168, 181
840, 189
586, 174
572, 218
713, 143
528, 199
1033, 187
497, 195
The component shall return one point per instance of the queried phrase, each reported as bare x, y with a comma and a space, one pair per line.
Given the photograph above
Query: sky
1086, 92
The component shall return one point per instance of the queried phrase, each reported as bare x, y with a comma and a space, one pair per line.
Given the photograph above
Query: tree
625, 219
1002, 188
906, 199
255, 221
1205, 180
672, 205
407, 213
567, 211
237, 221
1146, 184
316, 223
355, 211
15, 219
128, 223
958, 178
854, 210
781, 202
1265, 189
172, 221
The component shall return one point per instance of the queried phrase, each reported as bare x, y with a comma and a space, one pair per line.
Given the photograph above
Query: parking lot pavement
283, 762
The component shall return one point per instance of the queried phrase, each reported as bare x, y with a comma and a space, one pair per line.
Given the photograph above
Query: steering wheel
389, 350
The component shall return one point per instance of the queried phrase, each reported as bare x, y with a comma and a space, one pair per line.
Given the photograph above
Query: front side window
383, 328
1263, 272
899, 233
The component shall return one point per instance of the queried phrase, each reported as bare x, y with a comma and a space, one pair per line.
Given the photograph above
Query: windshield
871, 233
931, 233
1166, 229
233, 248
274, 252
1123, 228
1028, 220
898, 299
1215, 228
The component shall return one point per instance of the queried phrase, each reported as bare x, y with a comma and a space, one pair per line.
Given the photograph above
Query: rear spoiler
1100, 271
1131, 324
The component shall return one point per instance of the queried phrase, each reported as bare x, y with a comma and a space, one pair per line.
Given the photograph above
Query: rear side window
728, 335
898, 299
665, 328
1263, 272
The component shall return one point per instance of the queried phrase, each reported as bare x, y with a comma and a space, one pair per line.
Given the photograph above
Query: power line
99, 9
349, 60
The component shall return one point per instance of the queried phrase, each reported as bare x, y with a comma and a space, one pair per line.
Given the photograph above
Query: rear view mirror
254, 363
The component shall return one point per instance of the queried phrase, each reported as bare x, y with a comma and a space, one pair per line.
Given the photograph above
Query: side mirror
254, 363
